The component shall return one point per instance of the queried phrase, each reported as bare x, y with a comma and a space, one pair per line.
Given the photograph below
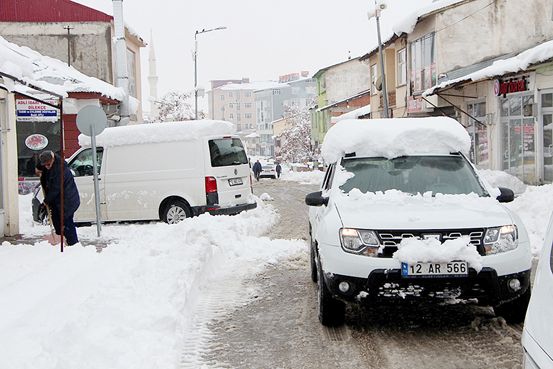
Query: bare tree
176, 106
296, 139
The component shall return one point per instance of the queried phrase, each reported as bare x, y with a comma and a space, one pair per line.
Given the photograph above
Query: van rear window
227, 151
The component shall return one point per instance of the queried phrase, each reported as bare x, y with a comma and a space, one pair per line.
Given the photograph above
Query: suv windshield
227, 151
413, 174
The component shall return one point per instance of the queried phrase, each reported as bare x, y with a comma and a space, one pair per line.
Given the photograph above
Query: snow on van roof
158, 132
391, 138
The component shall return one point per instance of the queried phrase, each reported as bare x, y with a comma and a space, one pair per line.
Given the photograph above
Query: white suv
403, 214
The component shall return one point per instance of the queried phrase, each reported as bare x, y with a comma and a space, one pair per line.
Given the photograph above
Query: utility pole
378, 7
68, 28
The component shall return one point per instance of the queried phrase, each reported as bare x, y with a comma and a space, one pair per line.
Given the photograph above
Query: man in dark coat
278, 170
50, 178
257, 169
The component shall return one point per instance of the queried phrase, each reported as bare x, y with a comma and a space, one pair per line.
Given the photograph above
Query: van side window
82, 164
226, 152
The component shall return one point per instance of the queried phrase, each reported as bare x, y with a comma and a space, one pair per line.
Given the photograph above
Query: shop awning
518, 63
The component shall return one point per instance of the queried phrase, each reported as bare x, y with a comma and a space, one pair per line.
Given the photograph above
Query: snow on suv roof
158, 132
391, 138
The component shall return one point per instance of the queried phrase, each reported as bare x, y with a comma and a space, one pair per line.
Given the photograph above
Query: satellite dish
378, 84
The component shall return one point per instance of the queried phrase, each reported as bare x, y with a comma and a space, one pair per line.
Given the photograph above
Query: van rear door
227, 162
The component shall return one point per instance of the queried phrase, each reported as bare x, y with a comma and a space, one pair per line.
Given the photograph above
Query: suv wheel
514, 311
331, 311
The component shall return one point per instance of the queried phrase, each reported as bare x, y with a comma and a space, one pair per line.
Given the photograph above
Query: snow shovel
53, 239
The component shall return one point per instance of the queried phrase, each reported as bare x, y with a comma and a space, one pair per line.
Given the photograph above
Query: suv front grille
390, 239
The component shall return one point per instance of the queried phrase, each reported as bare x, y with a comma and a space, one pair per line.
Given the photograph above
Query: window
226, 152
237, 106
82, 164
222, 97
248, 94
276, 92
230, 94
230, 106
401, 68
238, 117
374, 76
422, 63
248, 115
478, 134
248, 105
231, 116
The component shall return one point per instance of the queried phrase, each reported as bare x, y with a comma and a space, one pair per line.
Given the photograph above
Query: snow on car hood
397, 210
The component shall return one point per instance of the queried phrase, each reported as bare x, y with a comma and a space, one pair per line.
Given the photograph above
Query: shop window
479, 154
547, 100
401, 68
49, 132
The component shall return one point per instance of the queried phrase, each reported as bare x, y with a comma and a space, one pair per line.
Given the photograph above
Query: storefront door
518, 136
546, 122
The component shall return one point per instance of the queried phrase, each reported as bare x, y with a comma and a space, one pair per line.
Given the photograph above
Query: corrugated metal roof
49, 11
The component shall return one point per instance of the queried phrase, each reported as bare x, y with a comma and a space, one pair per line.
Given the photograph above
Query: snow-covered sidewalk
129, 305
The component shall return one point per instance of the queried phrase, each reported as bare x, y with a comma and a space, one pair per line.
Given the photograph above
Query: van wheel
176, 211
332, 312
514, 311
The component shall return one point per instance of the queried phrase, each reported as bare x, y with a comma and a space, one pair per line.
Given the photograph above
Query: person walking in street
278, 170
50, 175
257, 170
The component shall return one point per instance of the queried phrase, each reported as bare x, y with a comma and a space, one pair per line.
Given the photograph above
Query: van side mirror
316, 199
507, 195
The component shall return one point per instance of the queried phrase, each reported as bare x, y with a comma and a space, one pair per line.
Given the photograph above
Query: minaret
152, 79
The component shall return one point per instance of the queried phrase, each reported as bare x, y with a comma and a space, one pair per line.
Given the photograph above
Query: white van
168, 171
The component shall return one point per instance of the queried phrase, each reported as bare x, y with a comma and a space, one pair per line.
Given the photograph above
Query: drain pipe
122, 74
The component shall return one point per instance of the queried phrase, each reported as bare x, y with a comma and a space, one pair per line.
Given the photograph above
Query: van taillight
210, 185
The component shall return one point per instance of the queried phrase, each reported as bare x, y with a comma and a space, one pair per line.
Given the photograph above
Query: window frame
401, 67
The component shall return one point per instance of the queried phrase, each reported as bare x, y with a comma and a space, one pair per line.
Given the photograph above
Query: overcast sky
263, 39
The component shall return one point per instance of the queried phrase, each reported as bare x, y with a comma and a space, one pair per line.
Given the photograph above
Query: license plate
429, 270
235, 181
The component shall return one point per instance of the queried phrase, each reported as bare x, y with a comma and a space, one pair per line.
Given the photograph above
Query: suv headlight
501, 239
359, 241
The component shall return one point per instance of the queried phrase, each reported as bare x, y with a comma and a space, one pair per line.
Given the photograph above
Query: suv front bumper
486, 286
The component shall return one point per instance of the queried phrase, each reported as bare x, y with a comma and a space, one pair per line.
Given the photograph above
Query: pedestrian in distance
278, 170
50, 175
257, 170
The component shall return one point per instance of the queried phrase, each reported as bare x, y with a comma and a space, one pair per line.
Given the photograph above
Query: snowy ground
310, 177
134, 304
129, 305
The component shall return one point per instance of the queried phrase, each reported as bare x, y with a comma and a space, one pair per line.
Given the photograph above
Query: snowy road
279, 327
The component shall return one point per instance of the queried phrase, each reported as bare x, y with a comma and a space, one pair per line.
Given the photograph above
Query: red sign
511, 86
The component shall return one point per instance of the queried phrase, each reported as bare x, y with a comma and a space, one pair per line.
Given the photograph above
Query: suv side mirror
316, 199
507, 195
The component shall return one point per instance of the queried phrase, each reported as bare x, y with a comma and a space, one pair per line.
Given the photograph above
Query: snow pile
408, 23
515, 64
266, 197
392, 138
158, 132
131, 304
498, 178
314, 177
534, 208
412, 251
50, 74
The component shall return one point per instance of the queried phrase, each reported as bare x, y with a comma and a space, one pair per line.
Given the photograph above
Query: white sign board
28, 110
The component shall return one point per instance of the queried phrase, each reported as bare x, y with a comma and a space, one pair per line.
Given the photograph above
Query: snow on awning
518, 63
354, 114
50, 74
391, 138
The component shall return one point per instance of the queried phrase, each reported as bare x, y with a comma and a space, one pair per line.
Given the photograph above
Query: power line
468, 16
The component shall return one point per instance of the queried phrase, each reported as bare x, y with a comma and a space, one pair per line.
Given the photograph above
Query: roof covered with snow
158, 132
392, 138
254, 86
520, 62
354, 114
49, 73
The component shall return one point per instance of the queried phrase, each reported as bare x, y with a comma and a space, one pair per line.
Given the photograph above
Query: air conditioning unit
430, 102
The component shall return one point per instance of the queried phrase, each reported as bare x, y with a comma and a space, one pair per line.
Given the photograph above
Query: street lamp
196, 66
378, 7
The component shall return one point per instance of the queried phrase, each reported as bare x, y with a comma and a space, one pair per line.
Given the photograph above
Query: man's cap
46, 156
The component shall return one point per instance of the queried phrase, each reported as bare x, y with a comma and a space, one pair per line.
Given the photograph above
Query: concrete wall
9, 211
90, 44
504, 27
346, 80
